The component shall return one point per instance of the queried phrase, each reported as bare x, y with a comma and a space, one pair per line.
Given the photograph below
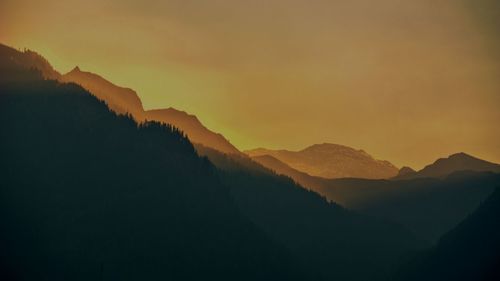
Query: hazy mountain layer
332, 161
453, 163
119, 99
428, 206
194, 129
333, 242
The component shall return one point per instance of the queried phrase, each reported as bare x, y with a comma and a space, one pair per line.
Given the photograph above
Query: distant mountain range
119, 99
427, 206
446, 166
332, 161
338, 161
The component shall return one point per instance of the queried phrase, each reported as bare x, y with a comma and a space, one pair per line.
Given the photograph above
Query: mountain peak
405, 170
181, 113
455, 163
461, 155
326, 145
75, 70
119, 99
330, 160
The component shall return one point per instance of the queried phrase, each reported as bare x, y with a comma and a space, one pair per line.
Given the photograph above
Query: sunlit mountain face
249, 140
332, 161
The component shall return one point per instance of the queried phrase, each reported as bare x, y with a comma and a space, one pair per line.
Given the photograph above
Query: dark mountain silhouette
471, 251
119, 99
18, 61
195, 130
329, 240
427, 206
90, 195
332, 161
454, 163
405, 171
124, 100
277, 166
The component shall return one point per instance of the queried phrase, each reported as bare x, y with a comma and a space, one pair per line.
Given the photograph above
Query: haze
407, 81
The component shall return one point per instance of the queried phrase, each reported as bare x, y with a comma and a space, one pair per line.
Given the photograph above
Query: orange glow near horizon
407, 81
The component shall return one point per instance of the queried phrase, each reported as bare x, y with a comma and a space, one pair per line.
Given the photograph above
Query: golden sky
406, 80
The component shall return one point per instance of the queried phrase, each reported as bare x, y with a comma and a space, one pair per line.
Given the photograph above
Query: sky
408, 81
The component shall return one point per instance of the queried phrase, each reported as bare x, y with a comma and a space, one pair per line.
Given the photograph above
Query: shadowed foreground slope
88, 195
332, 242
471, 251
429, 207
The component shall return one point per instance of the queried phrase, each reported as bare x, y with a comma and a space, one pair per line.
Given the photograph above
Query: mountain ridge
175, 213
443, 167
125, 100
328, 160
122, 100
191, 125
329, 244
427, 206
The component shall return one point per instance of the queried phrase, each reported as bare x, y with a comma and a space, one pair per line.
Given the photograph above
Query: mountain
280, 168
119, 99
195, 130
333, 242
90, 195
87, 194
471, 251
20, 66
454, 163
405, 171
429, 207
332, 161
124, 100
